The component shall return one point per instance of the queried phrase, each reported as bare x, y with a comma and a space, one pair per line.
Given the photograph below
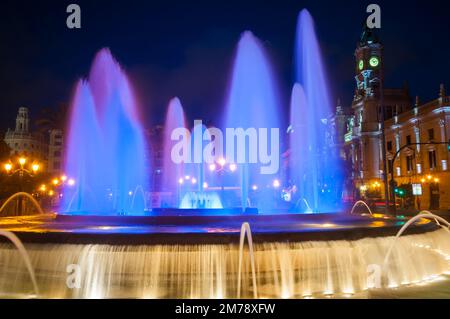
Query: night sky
186, 48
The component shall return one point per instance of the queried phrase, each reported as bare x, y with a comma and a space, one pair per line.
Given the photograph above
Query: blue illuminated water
106, 150
172, 172
252, 103
315, 167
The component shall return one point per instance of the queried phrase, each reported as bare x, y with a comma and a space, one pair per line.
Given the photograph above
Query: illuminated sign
417, 189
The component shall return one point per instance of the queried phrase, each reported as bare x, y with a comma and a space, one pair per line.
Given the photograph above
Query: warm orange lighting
43, 188
423, 180
8, 167
51, 193
22, 161
35, 167
55, 181
436, 180
429, 177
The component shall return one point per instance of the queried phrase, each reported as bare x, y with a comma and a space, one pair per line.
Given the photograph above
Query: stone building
376, 109
22, 141
45, 148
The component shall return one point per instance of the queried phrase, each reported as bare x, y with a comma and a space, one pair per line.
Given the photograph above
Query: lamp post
21, 170
221, 168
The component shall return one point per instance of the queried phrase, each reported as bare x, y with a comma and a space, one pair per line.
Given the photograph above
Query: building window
419, 168
389, 146
444, 165
408, 139
431, 134
56, 165
389, 166
432, 159
399, 171
409, 163
57, 153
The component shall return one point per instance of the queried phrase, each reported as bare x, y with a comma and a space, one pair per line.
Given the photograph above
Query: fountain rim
67, 229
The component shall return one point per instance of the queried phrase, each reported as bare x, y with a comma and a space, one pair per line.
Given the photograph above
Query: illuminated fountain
252, 103
105, 147
172, 172
187, 253
314, 167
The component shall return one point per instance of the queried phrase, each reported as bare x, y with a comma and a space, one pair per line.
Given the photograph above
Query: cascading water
252, 103
106, 152
283, 269
318, 174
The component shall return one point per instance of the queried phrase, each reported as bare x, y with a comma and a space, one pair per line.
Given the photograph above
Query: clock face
361, 64
374, 61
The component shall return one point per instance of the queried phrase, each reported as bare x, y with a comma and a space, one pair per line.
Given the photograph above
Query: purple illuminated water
317, 172
252, 103
106, 150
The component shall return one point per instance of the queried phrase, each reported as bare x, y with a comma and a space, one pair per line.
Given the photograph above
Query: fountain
27, 196
359, 203
252, 103
246, 232
23, 254
171, 171
106, 148
195, 247
315, 168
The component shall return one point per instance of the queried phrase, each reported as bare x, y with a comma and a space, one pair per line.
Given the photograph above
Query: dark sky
185, 48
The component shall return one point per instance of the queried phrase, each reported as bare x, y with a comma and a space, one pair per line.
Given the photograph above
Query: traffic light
448, 145
400, 192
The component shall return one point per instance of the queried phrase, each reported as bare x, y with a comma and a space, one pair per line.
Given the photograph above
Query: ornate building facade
376, 110
45, 148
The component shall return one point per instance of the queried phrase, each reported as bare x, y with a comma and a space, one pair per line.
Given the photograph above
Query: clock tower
367, 130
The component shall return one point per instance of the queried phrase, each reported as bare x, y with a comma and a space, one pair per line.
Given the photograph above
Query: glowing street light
233, 167
255, 187
276, 183
8, 167
35, 167
43, 188
71, 182
194, 181
436, 180
22, 161
64, 178
212, 167
205, 185
222, 162
55, 181
181, 181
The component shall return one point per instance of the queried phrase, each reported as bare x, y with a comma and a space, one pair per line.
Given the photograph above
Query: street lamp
9, 168
21, 171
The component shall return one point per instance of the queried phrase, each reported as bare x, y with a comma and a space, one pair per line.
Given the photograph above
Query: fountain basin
203, 229
296, 256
